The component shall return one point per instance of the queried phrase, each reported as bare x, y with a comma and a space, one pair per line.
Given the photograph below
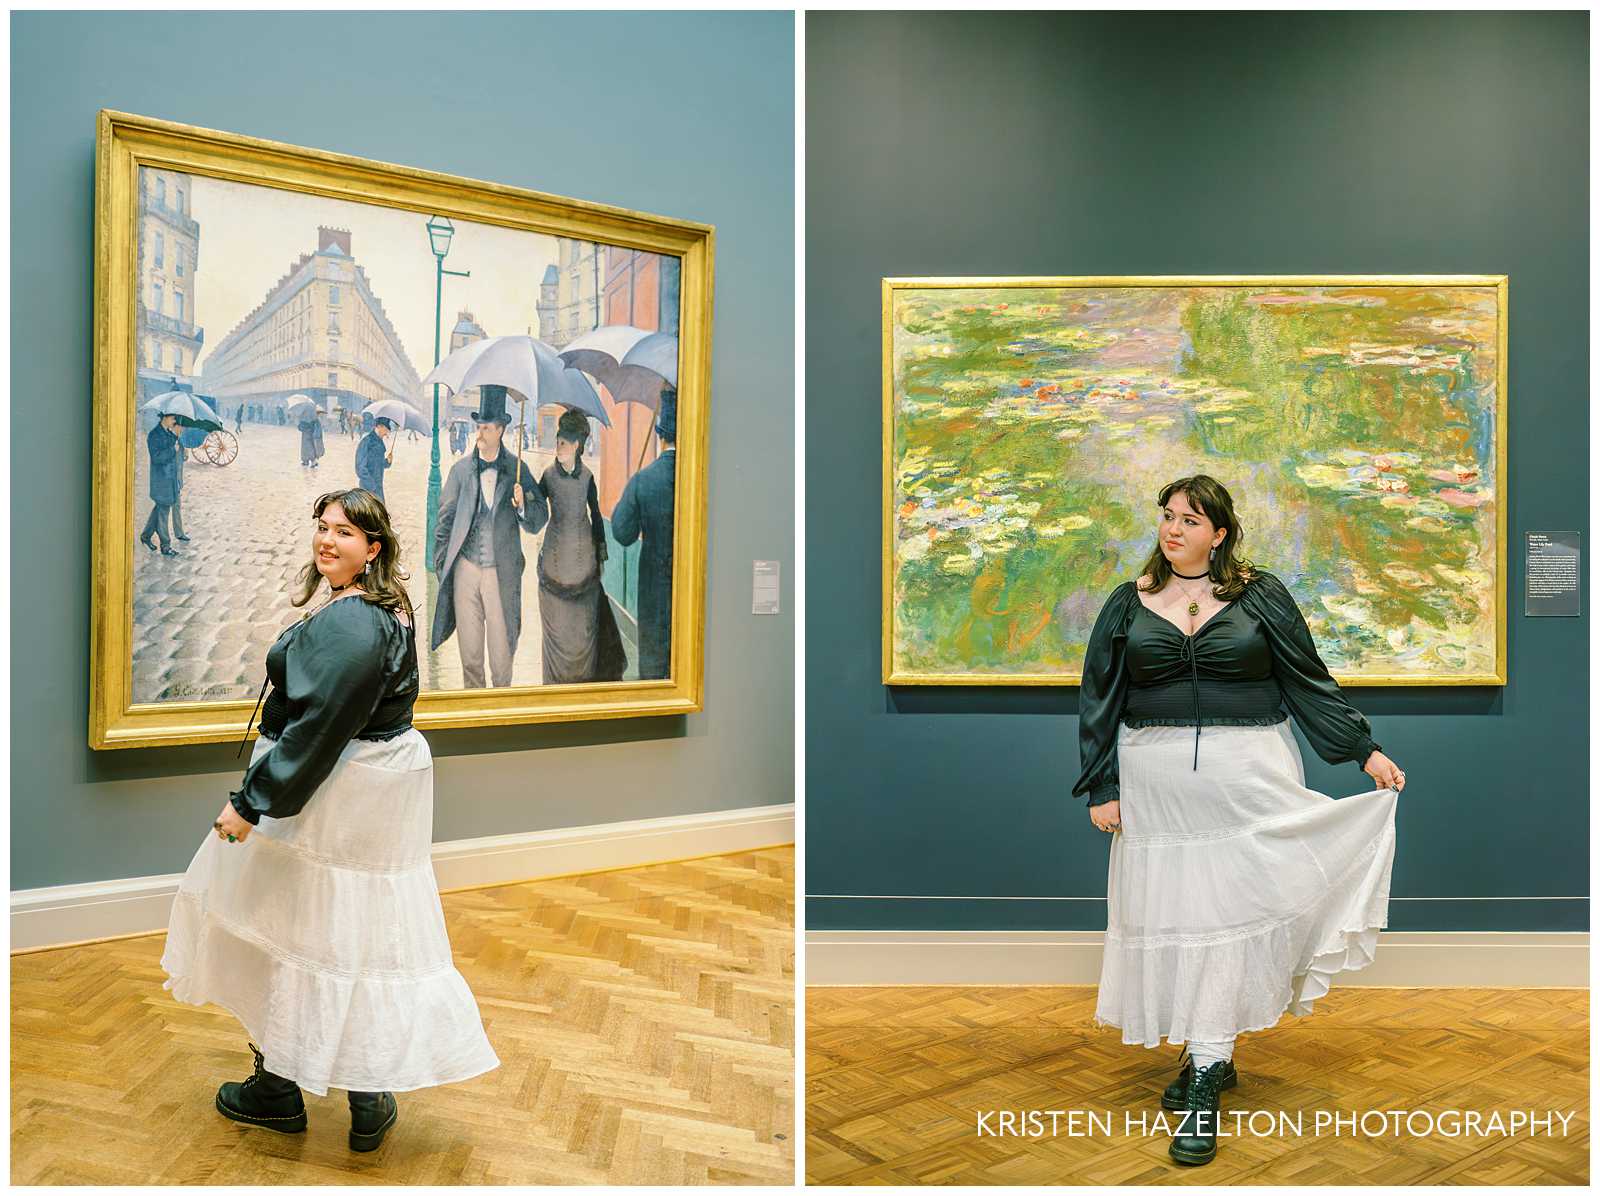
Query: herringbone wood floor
895, 1079
644, 1020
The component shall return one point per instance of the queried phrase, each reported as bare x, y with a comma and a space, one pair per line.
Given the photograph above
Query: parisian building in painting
169, 342
319, 331
460, 406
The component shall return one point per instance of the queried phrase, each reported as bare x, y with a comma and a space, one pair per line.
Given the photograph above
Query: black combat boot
1195, 1139
264, 1099
1177, 1091
371, 1115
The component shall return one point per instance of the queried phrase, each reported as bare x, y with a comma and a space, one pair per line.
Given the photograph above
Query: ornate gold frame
891, 285
126, 142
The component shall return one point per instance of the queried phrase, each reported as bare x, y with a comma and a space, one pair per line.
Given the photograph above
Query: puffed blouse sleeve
334, 670
1336, 730
1101, 697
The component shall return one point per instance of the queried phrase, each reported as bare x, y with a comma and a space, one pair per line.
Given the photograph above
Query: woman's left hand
1385, 771
229, 823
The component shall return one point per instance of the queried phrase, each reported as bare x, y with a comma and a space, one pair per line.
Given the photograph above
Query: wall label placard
764, 590
1554, 573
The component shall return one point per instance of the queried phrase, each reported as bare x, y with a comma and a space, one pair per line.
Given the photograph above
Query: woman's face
341, 549
566, 452
1186, 534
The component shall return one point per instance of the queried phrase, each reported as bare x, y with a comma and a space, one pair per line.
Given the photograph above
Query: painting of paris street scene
1031, 428
290, 345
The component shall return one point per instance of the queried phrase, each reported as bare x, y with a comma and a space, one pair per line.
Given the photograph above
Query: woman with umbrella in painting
581, 641
1234, 893
312, 913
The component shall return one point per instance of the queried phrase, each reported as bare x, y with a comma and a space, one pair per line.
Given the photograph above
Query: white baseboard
142, 904
1405, 959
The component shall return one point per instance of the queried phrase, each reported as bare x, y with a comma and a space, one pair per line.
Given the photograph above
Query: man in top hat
374, 454
646, 508
477, 550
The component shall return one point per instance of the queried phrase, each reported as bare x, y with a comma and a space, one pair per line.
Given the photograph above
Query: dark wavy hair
1230, 572
383, 580
573, 427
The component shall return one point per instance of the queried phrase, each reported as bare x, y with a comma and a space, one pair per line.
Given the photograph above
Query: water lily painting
1029, 424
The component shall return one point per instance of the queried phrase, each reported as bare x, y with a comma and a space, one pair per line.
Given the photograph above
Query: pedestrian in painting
477, 549
580, 637
162, 444
311, 911
374, 454
238, 418
645, 509
311, 448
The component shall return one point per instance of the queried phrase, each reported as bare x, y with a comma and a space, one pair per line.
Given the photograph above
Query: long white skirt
1235, 893
323, 933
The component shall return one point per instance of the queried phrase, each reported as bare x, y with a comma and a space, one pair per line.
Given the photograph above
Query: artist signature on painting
175, 693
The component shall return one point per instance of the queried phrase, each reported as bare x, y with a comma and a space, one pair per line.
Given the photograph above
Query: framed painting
1359, 423
274, 323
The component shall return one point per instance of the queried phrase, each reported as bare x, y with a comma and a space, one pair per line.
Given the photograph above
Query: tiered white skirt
323, 933
1235, 893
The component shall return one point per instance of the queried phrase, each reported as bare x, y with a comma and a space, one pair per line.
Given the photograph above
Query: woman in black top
1234, 892
312, 913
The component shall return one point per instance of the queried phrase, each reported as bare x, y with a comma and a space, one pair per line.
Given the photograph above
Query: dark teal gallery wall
683, 114
1212, 144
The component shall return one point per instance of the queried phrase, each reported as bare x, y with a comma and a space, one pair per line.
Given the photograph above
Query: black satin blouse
1241, 668
348, 672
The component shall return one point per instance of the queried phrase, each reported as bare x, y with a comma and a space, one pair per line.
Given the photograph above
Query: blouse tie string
1194, 680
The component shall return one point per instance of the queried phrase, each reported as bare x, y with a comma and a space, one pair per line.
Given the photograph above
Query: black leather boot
1178, 1090
264, 1099
1195, 1139
371, 1115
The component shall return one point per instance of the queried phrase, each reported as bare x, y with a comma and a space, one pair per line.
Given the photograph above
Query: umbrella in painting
523, 364
181, 402
299, 408
402, 415
632, 363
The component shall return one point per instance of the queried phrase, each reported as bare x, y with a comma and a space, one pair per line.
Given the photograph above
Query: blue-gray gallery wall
688, 115
1221, 144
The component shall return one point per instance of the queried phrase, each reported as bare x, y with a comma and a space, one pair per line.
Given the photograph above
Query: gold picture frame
126, 143
1491, 672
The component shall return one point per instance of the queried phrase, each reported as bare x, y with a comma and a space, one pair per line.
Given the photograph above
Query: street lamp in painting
440, 230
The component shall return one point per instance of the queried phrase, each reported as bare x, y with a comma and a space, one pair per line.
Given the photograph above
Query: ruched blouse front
347, 672
1240, 668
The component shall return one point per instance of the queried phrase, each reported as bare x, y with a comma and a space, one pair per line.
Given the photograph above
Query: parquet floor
896, 1079
644, 1020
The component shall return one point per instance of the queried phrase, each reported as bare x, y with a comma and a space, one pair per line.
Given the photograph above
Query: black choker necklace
1191, 576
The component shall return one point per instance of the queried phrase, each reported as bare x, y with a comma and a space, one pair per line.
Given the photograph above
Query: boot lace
260, 1066
1205, 1086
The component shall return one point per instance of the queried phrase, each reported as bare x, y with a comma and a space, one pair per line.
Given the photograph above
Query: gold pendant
1194, 608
